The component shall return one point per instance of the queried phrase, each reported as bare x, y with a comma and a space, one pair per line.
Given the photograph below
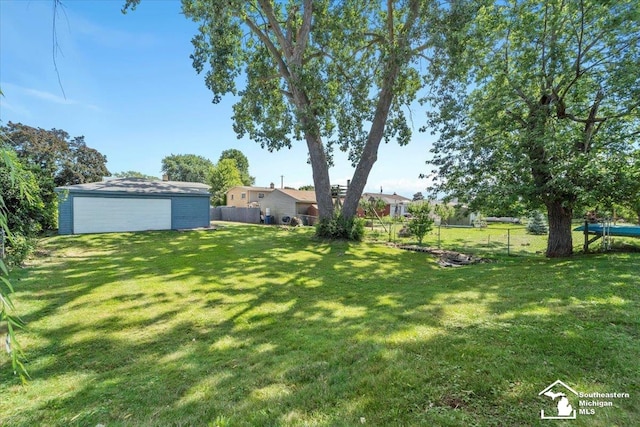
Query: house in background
283, 204
395, 205
244, 196
462, 216
132, 204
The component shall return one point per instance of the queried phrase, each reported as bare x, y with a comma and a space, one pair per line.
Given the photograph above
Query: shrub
18, 249
421, 220
338, 227
537, 224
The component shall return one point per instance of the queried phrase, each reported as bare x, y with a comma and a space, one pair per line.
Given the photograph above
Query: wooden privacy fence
247, 215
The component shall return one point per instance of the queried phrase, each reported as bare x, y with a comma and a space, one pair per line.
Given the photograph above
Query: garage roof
139, 186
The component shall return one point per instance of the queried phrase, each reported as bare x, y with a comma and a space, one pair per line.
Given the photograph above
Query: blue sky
127, 85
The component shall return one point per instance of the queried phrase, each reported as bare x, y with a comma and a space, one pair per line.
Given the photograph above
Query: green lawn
259, 326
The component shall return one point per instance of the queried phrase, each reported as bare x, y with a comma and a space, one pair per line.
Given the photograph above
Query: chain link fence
495, 239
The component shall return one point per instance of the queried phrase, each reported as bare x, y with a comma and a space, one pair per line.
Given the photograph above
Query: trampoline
605, 230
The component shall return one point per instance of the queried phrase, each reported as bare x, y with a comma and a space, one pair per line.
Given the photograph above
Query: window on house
243, 196
232, 196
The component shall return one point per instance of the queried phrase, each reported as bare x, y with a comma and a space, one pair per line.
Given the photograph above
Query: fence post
508, 241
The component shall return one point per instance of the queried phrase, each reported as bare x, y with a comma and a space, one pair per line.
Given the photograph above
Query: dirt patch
446, 258
452, 402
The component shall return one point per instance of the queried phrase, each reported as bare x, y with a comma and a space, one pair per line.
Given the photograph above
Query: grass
259, 326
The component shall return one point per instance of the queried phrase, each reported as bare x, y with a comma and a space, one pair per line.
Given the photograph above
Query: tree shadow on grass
256, 326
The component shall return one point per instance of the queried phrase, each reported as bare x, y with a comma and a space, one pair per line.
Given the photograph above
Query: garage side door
103, 215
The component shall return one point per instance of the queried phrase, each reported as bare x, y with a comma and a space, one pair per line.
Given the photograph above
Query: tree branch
274, 25
275, 53
302, 38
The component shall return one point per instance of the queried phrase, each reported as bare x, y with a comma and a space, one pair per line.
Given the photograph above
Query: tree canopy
242, 163
55, 159
331, 74
66, 160
135, 174
224, 175
187, 168
540, 107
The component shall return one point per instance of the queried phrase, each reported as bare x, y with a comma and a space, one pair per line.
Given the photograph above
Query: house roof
387, 198
302, 196
250, 188
139, 186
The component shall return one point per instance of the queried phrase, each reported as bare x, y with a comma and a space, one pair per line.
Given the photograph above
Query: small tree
421, 221
445, 212
223, 176
537, 224
242, 163
372, 207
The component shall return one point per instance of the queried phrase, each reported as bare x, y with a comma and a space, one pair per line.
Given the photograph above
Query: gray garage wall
189, 212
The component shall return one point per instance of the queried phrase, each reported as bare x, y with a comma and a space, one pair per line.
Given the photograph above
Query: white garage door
102, 215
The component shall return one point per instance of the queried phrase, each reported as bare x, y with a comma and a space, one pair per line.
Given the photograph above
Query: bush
18, 249
421, 220
537, 224
338, 227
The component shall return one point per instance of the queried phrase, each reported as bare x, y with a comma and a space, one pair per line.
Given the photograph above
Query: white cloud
48, 96
16, 109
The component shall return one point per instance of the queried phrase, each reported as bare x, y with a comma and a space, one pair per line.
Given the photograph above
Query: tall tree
55, 158
540, 107
224, 176
331, 74
242, 163
84, 164
187, 168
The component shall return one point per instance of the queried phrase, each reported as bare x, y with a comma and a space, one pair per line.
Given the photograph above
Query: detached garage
132, 204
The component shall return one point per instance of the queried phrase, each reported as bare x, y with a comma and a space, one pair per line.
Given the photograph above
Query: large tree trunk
560, 243
370, 152
321, 180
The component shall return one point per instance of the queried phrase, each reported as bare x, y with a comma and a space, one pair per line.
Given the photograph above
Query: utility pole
281, 181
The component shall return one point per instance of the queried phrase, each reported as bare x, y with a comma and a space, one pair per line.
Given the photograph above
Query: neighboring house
462, 217
395, 205
281, 204
243, 196
132, 204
